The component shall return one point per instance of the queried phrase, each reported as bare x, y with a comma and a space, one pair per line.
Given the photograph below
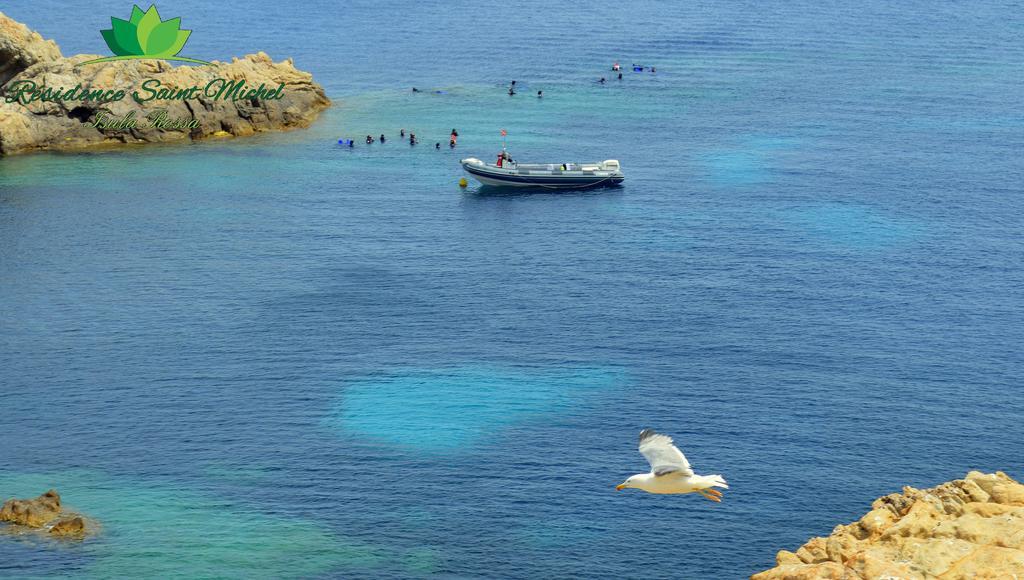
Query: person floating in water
437, 145
415, 90
620, 76
601, 81
351, 143
616, 67
369, 140
402, 133
653, 70
412, 138
540, 94
453, 138
511, 91
382, 138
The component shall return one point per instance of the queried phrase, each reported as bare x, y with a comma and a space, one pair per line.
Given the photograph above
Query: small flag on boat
504, 133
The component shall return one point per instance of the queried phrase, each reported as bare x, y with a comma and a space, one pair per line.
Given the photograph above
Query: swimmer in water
351, 143
402, 133
412, 138
653, 70
620, 76
601, 81
540, 94
511, 91
382, 138
437, 145
415, 90
369, 140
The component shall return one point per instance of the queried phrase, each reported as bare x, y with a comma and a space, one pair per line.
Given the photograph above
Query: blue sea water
275, 357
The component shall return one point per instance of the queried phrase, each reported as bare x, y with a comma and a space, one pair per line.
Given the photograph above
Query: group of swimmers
454, 136
617, 68
512, 91
452, 139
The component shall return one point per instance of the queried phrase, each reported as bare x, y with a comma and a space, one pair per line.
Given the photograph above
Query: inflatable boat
508, 173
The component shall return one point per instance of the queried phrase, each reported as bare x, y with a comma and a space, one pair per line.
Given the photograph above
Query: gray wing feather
664, 457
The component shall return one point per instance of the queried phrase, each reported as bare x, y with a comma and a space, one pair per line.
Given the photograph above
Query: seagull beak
620, 487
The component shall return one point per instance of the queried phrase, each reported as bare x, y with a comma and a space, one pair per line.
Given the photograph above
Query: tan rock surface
25, 56
31, 512
43, 515
68, 526
966, 528
21, 48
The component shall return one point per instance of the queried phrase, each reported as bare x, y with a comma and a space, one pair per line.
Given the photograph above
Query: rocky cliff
27, 60
966, 528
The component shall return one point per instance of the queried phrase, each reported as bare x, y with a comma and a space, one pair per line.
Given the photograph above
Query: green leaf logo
145, 35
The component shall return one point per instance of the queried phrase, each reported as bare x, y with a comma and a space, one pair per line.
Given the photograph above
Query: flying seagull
670, 471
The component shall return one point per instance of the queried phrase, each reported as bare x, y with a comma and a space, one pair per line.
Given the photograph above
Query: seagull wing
663, 456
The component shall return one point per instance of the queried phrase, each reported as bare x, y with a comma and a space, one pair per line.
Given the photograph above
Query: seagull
670, 471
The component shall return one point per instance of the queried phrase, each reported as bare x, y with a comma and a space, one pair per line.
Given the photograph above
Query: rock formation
31, 512
21, 48
69, 526
38, 514
27, 60
966, 528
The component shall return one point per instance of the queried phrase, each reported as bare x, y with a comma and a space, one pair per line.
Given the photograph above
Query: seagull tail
716, 481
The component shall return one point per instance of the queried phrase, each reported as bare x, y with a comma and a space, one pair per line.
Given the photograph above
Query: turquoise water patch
447, 409
160, 531
749, 163
853, 225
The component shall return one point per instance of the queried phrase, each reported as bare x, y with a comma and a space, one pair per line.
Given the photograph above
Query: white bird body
674, 483
670, 471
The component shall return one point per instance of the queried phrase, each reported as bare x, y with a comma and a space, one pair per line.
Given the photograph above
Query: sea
278, 357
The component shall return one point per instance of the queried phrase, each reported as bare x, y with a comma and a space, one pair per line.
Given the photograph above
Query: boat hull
540, 176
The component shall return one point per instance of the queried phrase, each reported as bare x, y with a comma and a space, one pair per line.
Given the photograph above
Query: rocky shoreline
966, 528
62, 120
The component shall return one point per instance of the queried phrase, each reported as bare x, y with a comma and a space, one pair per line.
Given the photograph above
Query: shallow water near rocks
278, 357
